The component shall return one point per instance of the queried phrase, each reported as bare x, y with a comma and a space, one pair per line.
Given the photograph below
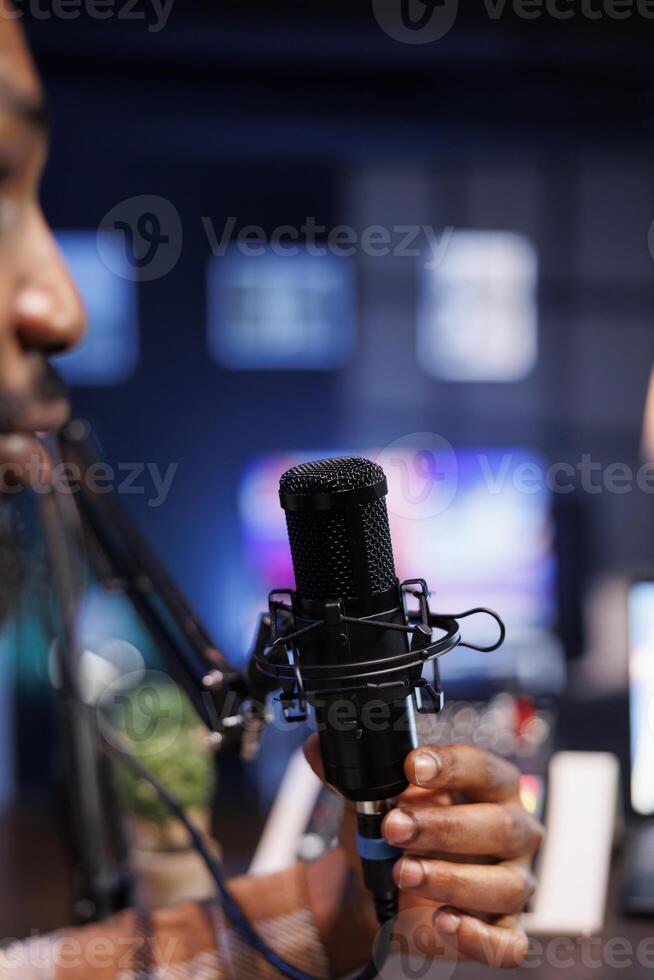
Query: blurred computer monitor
109, 353
638, 867
469, 523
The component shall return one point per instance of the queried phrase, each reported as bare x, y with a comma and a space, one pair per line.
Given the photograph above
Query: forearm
315, 916
320, 907
343, 912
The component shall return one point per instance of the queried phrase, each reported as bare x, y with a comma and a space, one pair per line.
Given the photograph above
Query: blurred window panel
641, 694
109, 353
477, 310
274, 311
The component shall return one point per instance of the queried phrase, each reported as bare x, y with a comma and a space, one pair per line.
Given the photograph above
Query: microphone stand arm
127, 564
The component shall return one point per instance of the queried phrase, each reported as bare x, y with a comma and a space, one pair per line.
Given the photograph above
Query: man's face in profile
40, 309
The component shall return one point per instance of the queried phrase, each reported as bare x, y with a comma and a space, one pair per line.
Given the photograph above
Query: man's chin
22, 462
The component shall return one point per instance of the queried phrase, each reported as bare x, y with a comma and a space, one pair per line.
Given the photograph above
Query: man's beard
12, 564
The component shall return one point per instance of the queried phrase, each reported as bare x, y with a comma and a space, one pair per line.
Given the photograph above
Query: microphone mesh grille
320, 542
331, 475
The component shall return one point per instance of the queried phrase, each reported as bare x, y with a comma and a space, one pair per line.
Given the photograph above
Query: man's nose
48, 311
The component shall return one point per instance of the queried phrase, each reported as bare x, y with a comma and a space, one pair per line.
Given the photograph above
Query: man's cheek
16, 379
5, 307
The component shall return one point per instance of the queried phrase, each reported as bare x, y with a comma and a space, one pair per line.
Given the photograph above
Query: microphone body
365, 731
347, 645
345, 576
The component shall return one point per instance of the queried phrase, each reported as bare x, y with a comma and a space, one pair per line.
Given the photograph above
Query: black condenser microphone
343, 563
345, 643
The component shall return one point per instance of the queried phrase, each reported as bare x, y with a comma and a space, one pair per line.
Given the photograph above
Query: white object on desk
289, 817
575, 861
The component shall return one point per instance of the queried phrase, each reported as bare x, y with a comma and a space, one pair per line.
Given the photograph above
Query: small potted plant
158, 724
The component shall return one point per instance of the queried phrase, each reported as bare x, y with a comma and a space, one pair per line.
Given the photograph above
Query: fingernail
427, 768
400, 827
446, 922
412, 873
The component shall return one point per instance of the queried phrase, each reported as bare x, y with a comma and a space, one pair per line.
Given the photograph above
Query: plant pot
167, 870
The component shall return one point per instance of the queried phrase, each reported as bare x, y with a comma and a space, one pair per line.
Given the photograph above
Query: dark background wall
540, 126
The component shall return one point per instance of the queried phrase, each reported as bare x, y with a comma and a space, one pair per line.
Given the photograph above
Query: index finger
467, 769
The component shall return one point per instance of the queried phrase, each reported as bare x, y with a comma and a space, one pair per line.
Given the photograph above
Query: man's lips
44, 408
36, 416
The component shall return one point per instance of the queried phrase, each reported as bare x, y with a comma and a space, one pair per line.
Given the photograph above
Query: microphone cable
57, 526
119, 749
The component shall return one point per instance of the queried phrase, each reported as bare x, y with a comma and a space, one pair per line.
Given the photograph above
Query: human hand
469, 843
